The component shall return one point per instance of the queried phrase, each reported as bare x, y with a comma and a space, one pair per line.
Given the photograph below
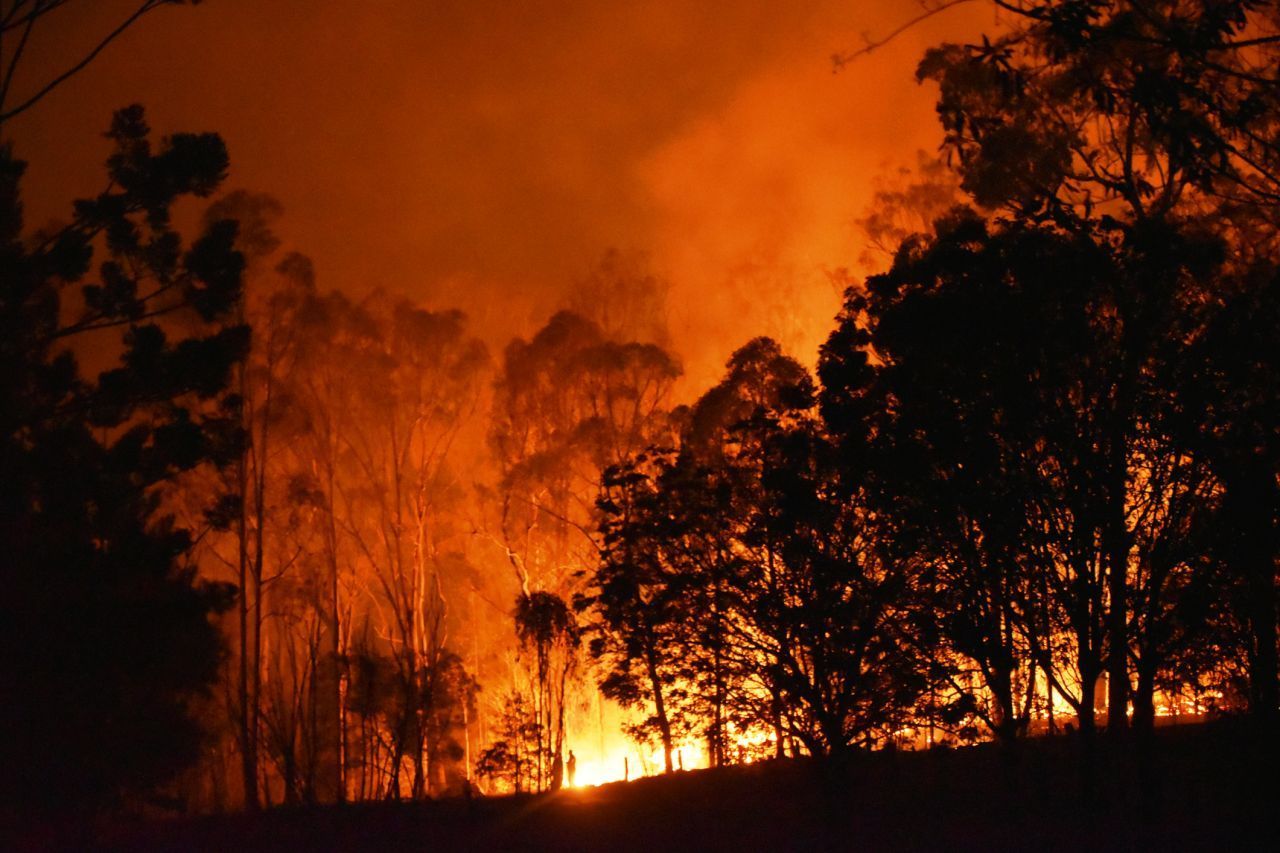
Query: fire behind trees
1040, 454
1044, 449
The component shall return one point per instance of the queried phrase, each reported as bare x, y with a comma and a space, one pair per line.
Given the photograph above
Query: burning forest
713, 438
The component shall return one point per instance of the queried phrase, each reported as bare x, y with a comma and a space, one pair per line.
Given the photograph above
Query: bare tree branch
17, 55
840, 60
40, 10
12, 19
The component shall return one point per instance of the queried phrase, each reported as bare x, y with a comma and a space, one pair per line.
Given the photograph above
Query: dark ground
1210, 787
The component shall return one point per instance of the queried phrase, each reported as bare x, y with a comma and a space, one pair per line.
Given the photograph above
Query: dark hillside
1210, 787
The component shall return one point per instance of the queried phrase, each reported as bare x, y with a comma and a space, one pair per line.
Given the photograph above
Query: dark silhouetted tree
547, 629
800, 616
513, 757
108, 628
1140, 125
638, 598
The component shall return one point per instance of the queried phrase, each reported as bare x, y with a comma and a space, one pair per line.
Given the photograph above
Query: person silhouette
572, 767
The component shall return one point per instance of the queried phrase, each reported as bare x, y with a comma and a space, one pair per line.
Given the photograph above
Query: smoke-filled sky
485, 153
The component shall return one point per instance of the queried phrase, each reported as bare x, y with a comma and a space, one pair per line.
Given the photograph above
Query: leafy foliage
107, 625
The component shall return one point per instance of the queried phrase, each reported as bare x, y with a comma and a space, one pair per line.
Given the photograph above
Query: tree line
1040, 453
400, 522
289, 535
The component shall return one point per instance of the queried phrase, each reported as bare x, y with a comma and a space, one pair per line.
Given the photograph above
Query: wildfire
626, 761
591, 773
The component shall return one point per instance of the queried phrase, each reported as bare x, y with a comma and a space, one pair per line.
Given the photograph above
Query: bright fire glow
629, 761
591, 773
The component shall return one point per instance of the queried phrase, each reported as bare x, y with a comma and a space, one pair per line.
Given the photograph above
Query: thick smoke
485, 155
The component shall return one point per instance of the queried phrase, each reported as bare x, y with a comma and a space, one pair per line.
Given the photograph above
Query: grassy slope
1207, 787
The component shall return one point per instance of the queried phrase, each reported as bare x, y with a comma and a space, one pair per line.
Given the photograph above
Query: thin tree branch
840, 60
13, 63
11, 21
147, 6
1254, 42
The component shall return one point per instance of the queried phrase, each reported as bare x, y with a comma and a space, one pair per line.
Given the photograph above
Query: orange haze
484, 153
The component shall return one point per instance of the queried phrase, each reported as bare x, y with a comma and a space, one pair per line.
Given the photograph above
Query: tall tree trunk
248, 728
1117, 545
397, 759
1048, 702
717, 726
1029, 701
255, 704
335, 672
1085, 714
313, 714
1004, 724
775, 714
660, 711
1144, 706
419, 771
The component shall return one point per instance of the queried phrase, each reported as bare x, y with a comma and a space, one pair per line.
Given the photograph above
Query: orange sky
483, 153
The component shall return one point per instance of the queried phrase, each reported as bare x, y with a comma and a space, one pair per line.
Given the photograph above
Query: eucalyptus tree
568, 403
